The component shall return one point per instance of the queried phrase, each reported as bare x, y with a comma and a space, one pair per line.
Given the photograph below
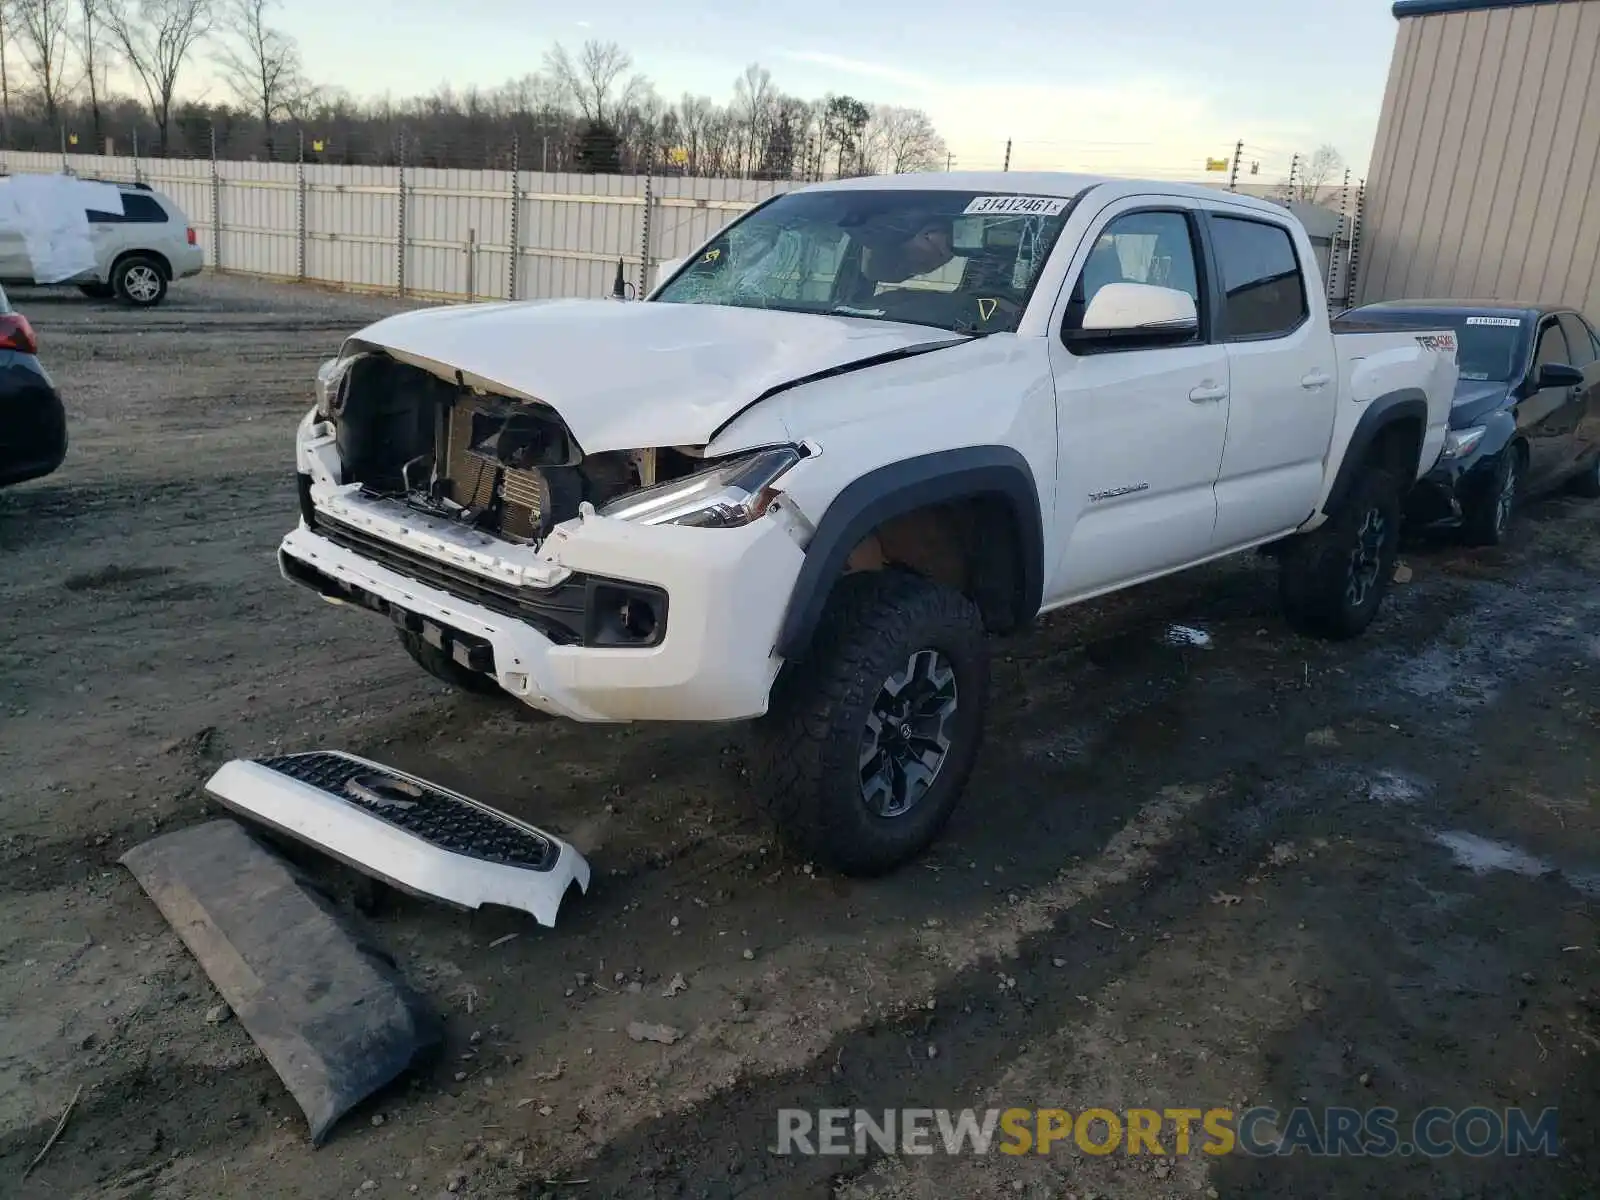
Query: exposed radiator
473, 480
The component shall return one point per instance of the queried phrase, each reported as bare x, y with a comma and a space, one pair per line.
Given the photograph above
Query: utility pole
1007, 167
1233, 175
949, 158
1294, 172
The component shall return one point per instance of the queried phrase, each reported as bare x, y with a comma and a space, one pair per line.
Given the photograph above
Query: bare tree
590, 82
1311, 174
260, 64
752, 98
899, 140
156, 37
42, 31
94, 54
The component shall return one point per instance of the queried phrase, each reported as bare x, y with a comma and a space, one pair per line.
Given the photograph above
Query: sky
1130, 86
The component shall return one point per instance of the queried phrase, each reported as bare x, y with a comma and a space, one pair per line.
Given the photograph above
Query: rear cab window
1263, 284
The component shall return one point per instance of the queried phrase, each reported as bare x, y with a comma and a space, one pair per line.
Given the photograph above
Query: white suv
139, 250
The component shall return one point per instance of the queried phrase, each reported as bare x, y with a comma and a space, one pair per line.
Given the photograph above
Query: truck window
1263, 285
1155, 247
1580, 343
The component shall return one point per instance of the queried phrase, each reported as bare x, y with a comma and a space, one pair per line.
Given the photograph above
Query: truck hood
630, 375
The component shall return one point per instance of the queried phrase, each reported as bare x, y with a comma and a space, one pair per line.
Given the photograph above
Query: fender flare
902, 487
1400, 405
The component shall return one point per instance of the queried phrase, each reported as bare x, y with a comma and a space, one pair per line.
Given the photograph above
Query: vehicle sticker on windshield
1501, 322
1437, 341
1029, 206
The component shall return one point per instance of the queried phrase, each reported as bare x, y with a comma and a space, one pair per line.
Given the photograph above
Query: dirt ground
1260, 871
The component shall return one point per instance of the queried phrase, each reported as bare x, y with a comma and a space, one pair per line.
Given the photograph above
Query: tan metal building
1485, 178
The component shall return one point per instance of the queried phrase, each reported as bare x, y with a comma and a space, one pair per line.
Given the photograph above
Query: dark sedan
33, 423
1526, 417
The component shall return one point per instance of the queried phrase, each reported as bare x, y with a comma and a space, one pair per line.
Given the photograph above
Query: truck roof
1039, 183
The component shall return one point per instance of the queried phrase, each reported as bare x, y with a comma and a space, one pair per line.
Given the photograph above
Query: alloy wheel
906, 739
142, 283
1506, 500
1366, 560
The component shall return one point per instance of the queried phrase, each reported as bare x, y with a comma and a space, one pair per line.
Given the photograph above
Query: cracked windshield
962, 261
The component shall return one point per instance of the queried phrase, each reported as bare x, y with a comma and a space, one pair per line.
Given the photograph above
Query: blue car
1526, 417
33, 423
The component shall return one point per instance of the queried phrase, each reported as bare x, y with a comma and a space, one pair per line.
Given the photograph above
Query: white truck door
1141, 424
1283, 372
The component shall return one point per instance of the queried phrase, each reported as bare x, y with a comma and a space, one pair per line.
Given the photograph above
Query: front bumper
725, 594
1452, 487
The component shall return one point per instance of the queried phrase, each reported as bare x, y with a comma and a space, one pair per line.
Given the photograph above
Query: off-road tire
1586, 483
98, 291
1487, 517
1317, 570
140, 281
806, 751
446, 669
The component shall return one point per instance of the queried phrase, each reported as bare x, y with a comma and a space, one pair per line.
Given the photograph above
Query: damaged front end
495, 463
469, 515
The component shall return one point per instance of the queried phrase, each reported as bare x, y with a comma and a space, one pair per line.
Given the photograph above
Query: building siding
1485, 175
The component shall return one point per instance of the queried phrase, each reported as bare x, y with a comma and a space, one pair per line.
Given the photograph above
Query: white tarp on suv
50, 214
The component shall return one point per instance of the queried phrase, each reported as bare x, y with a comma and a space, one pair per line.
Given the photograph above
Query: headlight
1461, 441
330, 376
727, 495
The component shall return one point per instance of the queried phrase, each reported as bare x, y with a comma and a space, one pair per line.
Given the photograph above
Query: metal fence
429, 233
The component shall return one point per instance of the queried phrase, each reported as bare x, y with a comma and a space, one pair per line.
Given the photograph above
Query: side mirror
1140, 313
1559, 375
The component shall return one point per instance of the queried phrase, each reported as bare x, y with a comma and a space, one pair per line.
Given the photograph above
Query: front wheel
139, 281
1487, 518
1332, 580
870, 739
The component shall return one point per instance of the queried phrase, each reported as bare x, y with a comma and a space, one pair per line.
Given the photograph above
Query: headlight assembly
330, 378
727, 495
1462, 441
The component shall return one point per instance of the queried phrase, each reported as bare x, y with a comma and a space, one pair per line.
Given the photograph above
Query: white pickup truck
867, 425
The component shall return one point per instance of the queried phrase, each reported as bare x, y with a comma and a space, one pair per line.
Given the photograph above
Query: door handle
1316, 380
1207, 392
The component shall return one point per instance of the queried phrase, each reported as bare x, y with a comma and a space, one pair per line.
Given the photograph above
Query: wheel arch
995, 476
1392, 429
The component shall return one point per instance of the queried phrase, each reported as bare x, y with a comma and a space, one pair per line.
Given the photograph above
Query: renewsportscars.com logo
1258, 1132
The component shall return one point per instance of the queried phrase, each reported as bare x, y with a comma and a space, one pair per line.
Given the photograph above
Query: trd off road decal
1437, 341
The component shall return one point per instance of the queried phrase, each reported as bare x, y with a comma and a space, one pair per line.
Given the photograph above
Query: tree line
588, 110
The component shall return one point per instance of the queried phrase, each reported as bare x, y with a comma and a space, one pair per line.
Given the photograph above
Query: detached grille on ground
444, 819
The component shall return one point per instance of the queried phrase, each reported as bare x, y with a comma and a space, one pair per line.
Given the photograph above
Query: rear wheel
1333, 580
1487, 518
139, 281
871, 738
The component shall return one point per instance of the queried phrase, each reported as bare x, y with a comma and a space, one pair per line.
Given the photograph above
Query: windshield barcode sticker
1501, 322
1026, 206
